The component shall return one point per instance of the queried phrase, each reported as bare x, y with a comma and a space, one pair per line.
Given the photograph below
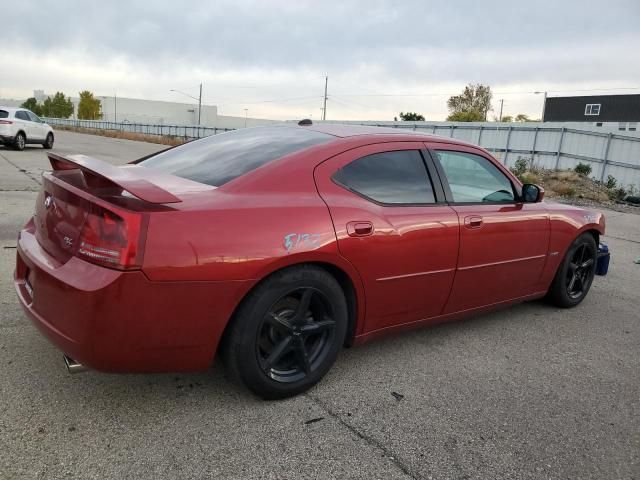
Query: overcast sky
270, 57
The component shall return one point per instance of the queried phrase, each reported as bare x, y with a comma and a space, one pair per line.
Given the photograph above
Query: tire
287, 332
20, 141
48, 144
575, 274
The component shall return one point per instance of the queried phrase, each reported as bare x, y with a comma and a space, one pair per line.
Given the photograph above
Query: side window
33, 117
22, 115
474, 179
398, 177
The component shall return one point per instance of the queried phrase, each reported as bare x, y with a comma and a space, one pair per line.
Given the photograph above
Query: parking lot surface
527, 392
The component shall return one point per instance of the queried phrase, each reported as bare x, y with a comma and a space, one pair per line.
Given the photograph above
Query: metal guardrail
188, 132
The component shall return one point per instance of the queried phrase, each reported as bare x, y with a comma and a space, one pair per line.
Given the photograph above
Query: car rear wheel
287, 333
48, 144
20, 141
575, 274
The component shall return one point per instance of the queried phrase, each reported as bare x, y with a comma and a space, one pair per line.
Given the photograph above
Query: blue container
602, 264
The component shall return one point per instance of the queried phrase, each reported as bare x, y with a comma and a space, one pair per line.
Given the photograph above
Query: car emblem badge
68, 241
48, 202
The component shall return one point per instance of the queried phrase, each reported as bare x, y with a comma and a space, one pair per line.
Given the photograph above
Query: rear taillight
111, 239
5, 122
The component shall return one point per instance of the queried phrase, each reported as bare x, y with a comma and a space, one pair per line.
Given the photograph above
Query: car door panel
407, 260
503, 258
503, 246
36, 127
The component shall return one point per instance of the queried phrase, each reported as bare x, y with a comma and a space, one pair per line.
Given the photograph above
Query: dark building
623, 110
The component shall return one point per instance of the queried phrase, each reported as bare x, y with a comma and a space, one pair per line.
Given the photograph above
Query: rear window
4, 114
218, 159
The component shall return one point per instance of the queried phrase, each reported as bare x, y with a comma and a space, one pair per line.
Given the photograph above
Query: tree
507, 118
474, 102
58, 106
411, 117
32, 104
521, 117
89, 107
471, 116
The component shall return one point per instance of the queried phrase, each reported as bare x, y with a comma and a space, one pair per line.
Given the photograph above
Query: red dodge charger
277, 246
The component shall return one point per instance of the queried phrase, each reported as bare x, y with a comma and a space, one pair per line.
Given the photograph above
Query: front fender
567, 223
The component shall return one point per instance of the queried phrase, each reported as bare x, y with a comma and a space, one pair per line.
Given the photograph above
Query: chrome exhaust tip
73, 366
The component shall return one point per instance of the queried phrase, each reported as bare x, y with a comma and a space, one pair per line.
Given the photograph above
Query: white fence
549, 146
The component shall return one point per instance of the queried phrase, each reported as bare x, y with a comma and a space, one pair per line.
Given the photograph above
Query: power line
279, 100
434, 94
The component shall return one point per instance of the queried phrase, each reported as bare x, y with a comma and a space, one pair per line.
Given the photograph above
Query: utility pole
501, 103
200, 105
115, 108
246, 112
324, 109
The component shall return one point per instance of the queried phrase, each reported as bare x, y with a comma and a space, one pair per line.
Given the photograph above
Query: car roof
382, 134
342, 130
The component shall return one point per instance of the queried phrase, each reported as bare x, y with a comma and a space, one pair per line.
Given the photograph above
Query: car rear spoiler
98, 172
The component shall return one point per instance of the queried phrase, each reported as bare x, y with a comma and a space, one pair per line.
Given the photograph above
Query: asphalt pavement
531, 391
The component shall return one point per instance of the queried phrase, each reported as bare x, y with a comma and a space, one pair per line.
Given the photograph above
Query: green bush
583, 169
611, 182
520, 166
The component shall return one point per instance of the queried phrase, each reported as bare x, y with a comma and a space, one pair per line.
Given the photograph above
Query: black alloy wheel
287, 332
575, 274
296, 335
581, 271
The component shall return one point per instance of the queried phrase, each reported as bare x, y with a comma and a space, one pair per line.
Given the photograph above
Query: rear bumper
120, 321
6, 138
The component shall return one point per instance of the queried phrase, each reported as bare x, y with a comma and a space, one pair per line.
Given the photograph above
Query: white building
136, 110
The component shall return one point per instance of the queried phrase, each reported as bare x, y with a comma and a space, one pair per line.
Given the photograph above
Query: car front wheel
575, 274
287, 333
48, 144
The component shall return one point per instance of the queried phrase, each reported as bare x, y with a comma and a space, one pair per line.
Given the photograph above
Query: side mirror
532, 193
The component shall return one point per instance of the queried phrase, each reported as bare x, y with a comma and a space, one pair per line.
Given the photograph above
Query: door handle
359, 229
473, 221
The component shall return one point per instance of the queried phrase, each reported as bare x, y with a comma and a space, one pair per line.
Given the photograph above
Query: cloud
246, 52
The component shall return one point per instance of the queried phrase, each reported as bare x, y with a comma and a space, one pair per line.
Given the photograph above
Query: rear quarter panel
238, 238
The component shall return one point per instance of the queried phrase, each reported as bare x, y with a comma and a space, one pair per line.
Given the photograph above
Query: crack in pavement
27, 174
367, 439
623, 239
17, 190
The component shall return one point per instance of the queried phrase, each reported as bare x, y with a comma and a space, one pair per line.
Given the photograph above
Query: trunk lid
82, 196
59, 216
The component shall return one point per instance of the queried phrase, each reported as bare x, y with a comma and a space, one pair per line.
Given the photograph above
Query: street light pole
199, 99
324, 109
544, 103
115, 108
200, 105
246, 112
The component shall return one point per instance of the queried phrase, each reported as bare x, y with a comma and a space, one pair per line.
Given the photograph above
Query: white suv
19, 126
